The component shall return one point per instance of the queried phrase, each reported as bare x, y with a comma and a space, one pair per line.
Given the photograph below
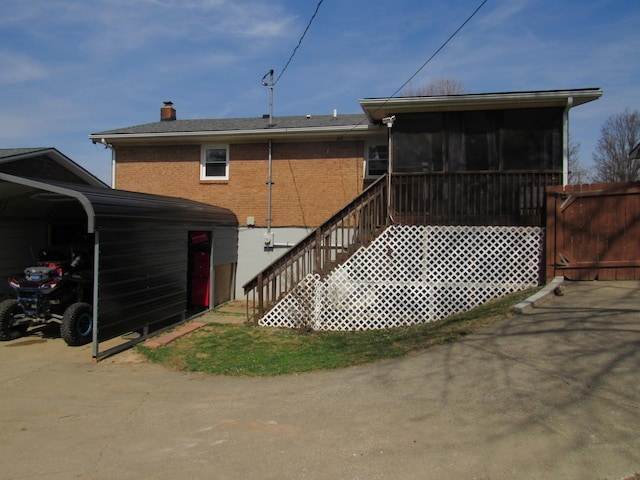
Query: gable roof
16, 152
302, 126
309, 127
45, 163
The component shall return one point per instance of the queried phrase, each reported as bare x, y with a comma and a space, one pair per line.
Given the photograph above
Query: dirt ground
551, 394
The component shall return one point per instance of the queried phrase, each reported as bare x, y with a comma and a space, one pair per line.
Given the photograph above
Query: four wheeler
53, 290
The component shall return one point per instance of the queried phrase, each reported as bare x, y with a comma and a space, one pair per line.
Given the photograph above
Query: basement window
214, 162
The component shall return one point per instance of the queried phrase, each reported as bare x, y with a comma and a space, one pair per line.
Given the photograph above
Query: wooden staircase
331, 244
513, 198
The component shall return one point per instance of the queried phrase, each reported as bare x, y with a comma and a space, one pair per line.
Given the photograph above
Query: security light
388, 121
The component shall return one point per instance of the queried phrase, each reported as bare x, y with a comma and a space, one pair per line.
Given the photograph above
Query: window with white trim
214, 162
377, 159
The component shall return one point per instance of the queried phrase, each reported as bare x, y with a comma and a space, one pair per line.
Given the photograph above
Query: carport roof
105, 203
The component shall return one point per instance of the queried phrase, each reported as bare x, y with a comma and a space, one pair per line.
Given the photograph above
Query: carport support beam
94, 309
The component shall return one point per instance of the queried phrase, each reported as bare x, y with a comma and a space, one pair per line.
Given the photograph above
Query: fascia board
377, 108
62, 160
77, 169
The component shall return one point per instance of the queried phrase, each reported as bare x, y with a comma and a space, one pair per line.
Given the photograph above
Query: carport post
94, 309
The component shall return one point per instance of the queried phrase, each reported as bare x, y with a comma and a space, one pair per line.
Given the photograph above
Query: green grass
244, 350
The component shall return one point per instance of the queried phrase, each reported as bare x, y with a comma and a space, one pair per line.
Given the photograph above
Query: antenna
270, 85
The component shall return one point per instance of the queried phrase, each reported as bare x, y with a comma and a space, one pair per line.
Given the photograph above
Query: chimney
167, 112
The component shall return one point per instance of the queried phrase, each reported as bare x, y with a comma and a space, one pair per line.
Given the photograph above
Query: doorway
199, 270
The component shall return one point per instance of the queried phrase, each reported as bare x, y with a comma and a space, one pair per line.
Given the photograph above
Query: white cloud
18, 68
498, 14
86, 66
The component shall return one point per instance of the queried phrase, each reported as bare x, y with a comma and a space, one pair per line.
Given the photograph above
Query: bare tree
437, 86
619, 134
578, 174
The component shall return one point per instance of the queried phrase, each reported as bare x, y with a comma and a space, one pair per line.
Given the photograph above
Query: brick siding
311, 181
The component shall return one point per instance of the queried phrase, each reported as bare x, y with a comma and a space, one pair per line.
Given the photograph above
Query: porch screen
531, 139
417, 141
518, 139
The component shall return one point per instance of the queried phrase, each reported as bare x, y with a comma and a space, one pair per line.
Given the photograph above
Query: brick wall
311, 180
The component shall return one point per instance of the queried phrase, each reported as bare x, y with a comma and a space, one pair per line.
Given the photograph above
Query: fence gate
593, 232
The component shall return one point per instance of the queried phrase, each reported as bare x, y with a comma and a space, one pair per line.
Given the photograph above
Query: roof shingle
242, 124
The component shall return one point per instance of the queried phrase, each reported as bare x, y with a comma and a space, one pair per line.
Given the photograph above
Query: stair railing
355, 225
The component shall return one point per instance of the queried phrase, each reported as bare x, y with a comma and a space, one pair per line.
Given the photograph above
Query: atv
55, 290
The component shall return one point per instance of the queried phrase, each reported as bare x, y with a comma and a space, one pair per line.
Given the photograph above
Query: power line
441, 47
432, 56
299, 41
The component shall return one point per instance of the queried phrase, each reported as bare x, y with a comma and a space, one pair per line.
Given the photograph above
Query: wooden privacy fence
593, 232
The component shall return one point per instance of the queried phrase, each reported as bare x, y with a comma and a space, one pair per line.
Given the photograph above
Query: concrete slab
552, 393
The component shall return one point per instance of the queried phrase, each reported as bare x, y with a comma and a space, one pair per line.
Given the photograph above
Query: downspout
565, 141
268, 238
113, 168
113, 160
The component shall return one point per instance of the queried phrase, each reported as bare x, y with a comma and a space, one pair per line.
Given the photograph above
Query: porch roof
377, 108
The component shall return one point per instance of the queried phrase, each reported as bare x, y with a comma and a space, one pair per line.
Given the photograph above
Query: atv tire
77, 324
8, 330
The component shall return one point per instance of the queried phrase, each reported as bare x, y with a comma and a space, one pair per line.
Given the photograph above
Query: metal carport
141, 245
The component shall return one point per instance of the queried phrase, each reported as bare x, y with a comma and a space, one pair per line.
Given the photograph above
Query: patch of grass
243, 350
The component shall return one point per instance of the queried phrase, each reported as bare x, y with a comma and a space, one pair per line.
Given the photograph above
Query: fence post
549, 255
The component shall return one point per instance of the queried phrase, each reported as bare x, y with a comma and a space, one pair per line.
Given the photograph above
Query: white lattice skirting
413, 274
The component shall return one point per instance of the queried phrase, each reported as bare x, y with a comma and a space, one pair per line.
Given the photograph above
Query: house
457, 159
281, 180
150, 259
45, 164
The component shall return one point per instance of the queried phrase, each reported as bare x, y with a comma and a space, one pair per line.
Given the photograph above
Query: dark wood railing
465, 198
471, 198
357, 224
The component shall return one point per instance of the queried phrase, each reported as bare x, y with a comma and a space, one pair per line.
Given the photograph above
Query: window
377, 160
214, 162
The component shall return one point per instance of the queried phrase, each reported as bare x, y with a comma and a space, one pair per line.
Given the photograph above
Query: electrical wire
431, 57
441, 48
304, 220
299, 42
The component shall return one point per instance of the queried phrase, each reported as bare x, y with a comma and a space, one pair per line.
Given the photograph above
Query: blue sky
74, 67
